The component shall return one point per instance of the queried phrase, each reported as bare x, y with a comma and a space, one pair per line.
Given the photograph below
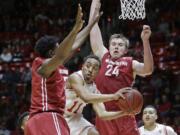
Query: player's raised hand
79, 20
146, 33
97, 14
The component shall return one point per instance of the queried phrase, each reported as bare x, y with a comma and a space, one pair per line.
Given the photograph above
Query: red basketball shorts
47, 123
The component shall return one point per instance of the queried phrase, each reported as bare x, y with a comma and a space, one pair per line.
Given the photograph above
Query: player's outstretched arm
83, 34
76, 83
63, 50
145, 68
101, 112
96, 40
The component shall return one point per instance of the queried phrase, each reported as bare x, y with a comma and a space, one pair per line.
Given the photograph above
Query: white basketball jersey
74, 104
159, 130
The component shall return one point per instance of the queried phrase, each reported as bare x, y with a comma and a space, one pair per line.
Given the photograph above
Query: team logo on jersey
117, 63
63, 71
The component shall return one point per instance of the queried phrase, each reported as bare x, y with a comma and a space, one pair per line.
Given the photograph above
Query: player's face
117, 48
149, 116
90, 69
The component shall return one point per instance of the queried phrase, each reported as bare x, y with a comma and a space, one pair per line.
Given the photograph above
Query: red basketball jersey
47, 93
114, 75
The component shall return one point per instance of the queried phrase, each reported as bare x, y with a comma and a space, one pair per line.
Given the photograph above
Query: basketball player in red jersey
118, 72
48, 95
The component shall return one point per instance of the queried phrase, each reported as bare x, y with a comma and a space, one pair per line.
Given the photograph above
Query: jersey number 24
112, 71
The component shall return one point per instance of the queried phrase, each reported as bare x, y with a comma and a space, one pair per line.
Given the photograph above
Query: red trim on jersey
44, 95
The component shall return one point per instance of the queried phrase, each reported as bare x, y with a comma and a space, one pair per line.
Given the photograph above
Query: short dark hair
151, 106
44, 44
120, 36
93, 57
21, 118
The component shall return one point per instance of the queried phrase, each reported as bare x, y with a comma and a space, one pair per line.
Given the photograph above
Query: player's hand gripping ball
133, 102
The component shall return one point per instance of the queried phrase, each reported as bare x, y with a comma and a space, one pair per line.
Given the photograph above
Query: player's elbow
149, 70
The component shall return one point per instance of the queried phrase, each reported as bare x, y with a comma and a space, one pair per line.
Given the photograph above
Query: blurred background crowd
23, 22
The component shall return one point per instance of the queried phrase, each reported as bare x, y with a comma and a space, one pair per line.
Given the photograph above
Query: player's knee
93, 131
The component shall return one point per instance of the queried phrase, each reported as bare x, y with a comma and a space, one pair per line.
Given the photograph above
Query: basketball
133, 102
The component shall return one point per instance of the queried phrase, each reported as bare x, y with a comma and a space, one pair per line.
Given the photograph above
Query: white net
132, 9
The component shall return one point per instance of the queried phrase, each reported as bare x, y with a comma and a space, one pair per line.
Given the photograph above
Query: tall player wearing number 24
118, 71
80, 90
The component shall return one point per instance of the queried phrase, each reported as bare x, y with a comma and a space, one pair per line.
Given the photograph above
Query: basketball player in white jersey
151, 127
81, 90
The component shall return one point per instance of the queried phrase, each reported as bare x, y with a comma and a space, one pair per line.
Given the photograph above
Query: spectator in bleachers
3, 130
165, 106
30, 26
26, 75
6, 55
18, 75
176, 104
26, 79
156, 83
17, 54
177, 124
164, 27
7, 75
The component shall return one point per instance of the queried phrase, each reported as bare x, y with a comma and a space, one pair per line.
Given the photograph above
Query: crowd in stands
29, 20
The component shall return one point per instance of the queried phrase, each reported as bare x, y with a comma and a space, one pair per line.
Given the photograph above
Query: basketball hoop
132, 9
